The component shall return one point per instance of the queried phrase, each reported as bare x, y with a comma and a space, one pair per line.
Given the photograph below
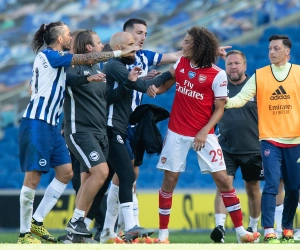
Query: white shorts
175, 150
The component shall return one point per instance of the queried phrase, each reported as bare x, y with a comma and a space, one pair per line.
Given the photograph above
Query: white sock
278, 217
220, 219
52, 194
298, 205
253, 223
26, 207
87, 222
121, 223
77, 214
163, 234
135, 209
269, 231
127, 211
112, 208
241, 231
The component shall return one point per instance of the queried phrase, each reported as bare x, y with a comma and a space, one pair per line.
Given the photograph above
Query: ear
59, 39
118, 47
287, 52
88, 47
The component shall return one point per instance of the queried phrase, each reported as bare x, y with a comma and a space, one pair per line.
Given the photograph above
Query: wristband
117, 53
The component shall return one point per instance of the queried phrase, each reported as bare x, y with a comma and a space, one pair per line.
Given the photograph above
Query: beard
236, 77
128, 60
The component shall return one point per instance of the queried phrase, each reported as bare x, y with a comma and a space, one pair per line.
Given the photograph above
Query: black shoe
136, 232
218, 234
78, 227
70, 238
97, 235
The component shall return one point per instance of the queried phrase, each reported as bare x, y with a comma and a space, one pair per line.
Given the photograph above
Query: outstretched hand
151, 74
129, 51
134, 73
101, 77
222, 51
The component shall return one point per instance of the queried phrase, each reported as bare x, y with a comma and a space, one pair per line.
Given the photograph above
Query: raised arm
96, 57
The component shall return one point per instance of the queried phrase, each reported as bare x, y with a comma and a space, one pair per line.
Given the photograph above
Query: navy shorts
129, 141
41, 146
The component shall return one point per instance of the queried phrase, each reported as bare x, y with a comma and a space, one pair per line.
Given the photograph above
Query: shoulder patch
62, 53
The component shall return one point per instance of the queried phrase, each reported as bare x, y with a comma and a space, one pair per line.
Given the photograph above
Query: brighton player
40, 142
198, 84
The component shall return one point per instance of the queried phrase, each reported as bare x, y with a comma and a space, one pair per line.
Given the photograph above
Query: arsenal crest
202, 78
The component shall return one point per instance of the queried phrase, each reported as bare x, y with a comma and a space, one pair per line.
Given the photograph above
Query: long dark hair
205, 47
47, 33
82, 39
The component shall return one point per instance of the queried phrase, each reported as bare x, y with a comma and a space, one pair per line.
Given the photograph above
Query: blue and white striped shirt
143, 59
48, 85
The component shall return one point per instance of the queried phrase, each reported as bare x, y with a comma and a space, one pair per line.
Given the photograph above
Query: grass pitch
179, 240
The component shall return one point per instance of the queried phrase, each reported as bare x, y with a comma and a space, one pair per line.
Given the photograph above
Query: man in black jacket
118, 117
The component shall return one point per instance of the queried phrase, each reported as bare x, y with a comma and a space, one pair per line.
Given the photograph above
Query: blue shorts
41, 146
129, 141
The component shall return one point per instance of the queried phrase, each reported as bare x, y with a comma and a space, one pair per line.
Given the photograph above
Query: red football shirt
196, 89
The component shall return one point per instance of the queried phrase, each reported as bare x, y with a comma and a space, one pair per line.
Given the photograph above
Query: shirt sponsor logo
86, 72
187, 89
267, 152
279, 94
163, 160
94, 156
119, 139
191, 74
202, 78
42, 162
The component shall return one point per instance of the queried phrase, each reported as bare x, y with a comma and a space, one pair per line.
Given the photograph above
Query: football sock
26, 207
220, 220
77, 214
87, 222
233, 206
278, 217
268, 231
253, 223
121, 223
112, 208
135, 209
127, 211
52, 194
165, 204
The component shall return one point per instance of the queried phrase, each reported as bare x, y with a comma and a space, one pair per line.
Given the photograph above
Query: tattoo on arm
91, 58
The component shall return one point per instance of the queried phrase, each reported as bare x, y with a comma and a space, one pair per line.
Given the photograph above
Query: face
97, 45
65, 38
187, 47
235, 67
278, 53
139, 33
128, 42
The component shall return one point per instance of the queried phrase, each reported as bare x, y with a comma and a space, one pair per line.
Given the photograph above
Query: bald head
120, 40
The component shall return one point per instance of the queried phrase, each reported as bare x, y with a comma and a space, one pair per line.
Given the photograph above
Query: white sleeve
176, 64
219, 85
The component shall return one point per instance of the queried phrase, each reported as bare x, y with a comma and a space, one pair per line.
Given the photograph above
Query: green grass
175, 237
